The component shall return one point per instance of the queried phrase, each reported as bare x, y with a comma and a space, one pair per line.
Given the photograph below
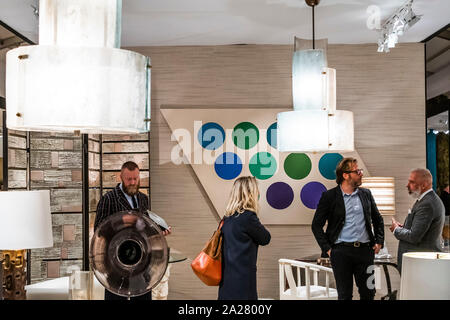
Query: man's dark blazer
115, 201
331, 208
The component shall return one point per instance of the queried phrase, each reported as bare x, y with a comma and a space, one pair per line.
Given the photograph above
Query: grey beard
415, 194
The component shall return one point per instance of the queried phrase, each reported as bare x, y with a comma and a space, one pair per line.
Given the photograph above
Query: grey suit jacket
422, 229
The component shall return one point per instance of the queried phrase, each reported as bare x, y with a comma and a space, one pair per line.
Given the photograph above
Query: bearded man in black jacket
349, 240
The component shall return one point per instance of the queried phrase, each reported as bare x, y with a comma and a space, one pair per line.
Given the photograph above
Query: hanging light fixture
77, 78
315, 125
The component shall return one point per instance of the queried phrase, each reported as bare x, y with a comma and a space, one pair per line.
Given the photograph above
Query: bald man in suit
422, 228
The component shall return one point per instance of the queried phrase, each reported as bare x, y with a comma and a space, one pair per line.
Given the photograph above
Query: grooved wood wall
385, 91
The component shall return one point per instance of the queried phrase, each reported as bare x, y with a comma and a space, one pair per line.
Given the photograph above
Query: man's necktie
134, 202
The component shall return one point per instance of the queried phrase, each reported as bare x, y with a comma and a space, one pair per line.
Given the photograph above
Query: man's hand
376, 248
394, 225
167, 231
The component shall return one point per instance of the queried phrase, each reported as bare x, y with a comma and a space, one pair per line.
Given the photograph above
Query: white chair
296, 291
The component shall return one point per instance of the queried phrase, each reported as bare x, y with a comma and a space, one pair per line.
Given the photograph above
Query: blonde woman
242, 234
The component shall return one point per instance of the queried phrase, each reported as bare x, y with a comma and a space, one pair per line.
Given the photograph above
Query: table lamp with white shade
425, 276
26, 223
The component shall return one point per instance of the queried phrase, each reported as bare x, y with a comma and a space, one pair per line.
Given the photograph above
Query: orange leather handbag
208, 263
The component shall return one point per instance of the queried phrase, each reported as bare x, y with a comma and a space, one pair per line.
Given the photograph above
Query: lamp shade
315, 131
314, 125
90, 89
25, 220
425, 276
307, 82
78, 78
383, 192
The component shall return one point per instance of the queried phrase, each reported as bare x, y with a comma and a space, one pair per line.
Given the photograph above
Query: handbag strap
220, 224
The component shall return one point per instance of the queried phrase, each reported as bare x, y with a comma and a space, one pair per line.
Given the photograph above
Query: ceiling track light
396, 25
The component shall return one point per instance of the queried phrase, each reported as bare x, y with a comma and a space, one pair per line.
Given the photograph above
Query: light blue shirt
355, 226
129, 197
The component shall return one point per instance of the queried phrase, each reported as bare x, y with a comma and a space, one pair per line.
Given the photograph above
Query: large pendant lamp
315, 125
77, 78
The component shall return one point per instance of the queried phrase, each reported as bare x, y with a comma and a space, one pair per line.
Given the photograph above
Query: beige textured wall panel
66, 200
17, 158
125, 147
17, 178
94, 146
69, 160
47, 144
41, 159
385, 92
94, 178
17, 142
94, 198
124, 137
70, 249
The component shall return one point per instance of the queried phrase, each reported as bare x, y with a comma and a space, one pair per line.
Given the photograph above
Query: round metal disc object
128, 254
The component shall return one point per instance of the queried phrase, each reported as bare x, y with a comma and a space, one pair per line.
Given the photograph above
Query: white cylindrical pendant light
340, 131
315, 125
304, 130
77, 78
315, 131
307, 80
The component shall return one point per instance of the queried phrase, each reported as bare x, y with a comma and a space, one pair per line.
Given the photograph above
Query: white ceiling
216, 22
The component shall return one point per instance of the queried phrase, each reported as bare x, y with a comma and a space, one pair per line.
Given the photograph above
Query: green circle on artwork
263, 165
297, 166
245, 135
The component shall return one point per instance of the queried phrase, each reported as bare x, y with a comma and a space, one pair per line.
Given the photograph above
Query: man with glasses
349, 240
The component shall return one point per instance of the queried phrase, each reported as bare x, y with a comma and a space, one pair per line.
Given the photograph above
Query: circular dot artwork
311, 193
245, 135
228, 165
301, 174
279, 195
211, 136
297, 166
272, 135
328, 163
263, 165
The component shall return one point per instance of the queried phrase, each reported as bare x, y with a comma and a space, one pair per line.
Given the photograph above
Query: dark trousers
111, 296
348, 262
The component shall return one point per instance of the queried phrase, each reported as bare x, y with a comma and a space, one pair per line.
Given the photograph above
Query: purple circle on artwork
280, 195
311, 194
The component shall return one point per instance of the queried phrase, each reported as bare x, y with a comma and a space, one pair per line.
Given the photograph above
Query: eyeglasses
357, 171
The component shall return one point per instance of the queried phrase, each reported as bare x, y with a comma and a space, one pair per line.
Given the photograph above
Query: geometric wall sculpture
222, 144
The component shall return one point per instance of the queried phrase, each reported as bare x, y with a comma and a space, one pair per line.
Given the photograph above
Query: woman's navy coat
242, 234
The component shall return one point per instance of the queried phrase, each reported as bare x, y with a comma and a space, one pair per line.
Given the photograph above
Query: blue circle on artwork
211, 136
328, 163
272, 135
228, 165
311, 194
